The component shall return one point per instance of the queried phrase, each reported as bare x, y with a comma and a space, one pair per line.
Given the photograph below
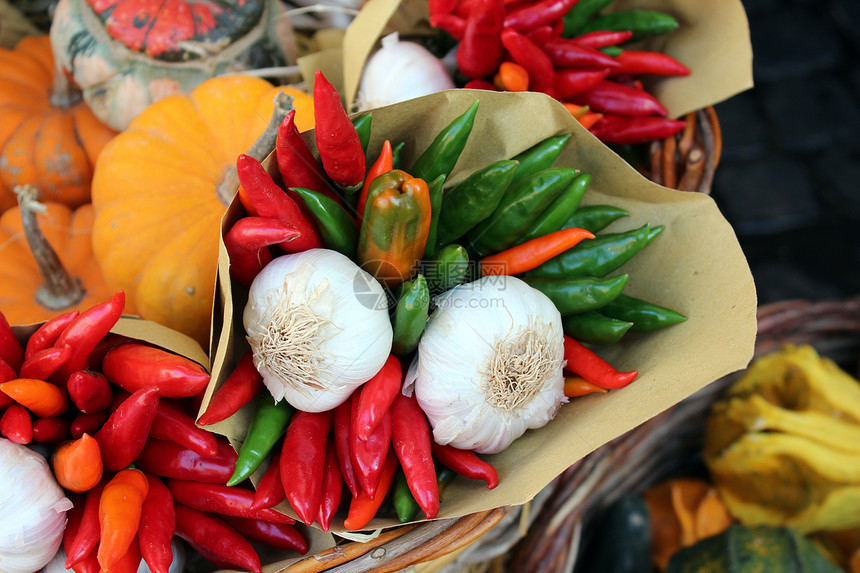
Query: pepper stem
59, 289
263, 146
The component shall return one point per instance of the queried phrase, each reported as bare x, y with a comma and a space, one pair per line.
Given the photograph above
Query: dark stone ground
789, 179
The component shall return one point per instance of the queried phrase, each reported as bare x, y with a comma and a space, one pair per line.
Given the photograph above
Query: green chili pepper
410, 315
442, 154
336, 226
540, 156
474, 199
451, 268
444, 476
404, 503
559, 211
594, 327
397, 155
581, 12
519, 207
269, 423
435, 189
645, 316
599, 256
641, 22
362, 128
595, 218
612, 51
571, 296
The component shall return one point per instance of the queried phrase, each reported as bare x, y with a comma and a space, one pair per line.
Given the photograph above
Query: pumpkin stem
59, 290
260, 149
63, 94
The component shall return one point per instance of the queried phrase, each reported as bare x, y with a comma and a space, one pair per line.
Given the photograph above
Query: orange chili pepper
383, 164
511, 77
42, 398
589, 119
119, 515
575, 386
129, 562
363, 508
533, 253
78, 464
576, 110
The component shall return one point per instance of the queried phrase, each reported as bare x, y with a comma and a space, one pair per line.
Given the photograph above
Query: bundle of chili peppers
571, 51
518, 216
119, 416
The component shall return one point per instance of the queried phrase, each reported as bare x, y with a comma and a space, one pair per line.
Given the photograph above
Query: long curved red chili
332, 488
480, 51
303, 460
536, 14
341, 435
134, 366
281, 536
584, 362
125, 432
376, 397
298, 166
337, 141
368, 456
466, 463
530, 56
170, 460
157, 526
11, 350
410, 435
172, 423
47, 334
215, 540
247, 243
270, 490
221, 499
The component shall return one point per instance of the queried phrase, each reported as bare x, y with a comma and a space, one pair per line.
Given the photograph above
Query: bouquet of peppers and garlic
402, 327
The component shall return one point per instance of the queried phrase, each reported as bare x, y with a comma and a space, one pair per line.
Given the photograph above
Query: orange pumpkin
161, 187
48, 136
77, 282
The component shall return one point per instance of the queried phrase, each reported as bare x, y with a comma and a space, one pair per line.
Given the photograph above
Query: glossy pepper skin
296, 163
338, 143
172, 423
579, 294
341, 434
595, 218
559, 211
170, 460
452, 268
594, 327
442, 154
87, 536
89, 391
410, 315
157, 525
125, 432
214, 540
630, 130
376, 397
645, 316
368, 456
11, 350
247, 244
134, 366
240, 387
46, 335
480, 51
268, 424
336, 226
466, 463
270, 490
119, 515
394, 230
584, 362
411, 438
45, 362
540, 156
303, 461
531, 57
221, 499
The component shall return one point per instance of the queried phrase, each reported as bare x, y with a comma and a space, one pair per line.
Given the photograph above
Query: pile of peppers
119, 418
570, 50
517, 216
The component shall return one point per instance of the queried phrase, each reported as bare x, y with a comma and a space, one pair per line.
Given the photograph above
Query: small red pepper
90, 391
73, 520
44, 363
571, 81
214, 540
6, 374
124, 434
435, 7
451, 23
341, 435
466, 463
582, 361
221, 499
337, 141
302, 462
536, 14
368, 456
134, 366
362, 509
172, 423
541, 35
238, 389
247, 244
631, 130
51, 430
270, 490
480, 51
332, 488
480, 85
157, 525
410, 435
47, 334
611, 97
16, 424
267, 199
376, 397
278, 535
642, 62
11, 350
170, 460
85, 332
530, 56
565, 53
296, 163
87, 537
383, 164
602, 38
87, 423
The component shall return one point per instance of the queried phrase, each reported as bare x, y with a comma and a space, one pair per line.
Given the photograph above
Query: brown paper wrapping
695, 266
712, 39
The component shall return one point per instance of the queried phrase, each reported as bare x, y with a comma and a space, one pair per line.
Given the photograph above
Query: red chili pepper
44, 363
410, 435
6, 374
641, 62
270, 490
480, 51
332, 488
303, 460
172, 423
435, 7
238, 389
533, 253
635, 129
51, 430
564, 53
47, 334
530, 56
451, 23
157, 525
465, 7
480, 85
571, 81
134, 366
466, 463
576, 386
615, 98
73, 520
362, 509
90, 391
584, 362
376, 397
130, 561
215, 540
383, 164
16, 425
124, 434
108, 343
296, 163
277, 535
170, 460
221, 499
11, 350
337, 141
541, 35
267, 199
540, 13
602, 38
341, 436
87, 537
368, 456
84, 333
87, 423
247, 244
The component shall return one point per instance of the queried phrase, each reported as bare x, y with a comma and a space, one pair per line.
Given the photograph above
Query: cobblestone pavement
789, 179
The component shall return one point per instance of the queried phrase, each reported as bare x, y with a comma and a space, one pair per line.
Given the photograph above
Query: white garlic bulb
489, 364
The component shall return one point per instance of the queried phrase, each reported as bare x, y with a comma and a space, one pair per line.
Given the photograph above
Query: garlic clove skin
489, 364
318, 327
